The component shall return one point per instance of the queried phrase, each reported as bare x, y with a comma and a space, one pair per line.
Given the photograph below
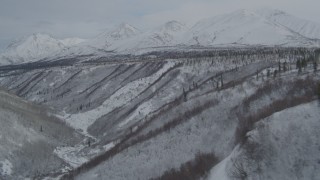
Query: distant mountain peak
173, 26
124, 31
36, 46
35, 37
127, 26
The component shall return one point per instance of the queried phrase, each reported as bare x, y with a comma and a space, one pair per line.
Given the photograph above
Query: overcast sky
87, 18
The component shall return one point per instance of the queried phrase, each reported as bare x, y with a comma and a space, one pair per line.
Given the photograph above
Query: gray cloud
87, 18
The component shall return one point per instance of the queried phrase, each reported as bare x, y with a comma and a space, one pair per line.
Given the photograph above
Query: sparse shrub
238, 170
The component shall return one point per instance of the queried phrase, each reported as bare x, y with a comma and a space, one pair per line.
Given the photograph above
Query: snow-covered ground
288, 145
6, 168
123, 96
151, 158
69, 154
28, 137
149, 116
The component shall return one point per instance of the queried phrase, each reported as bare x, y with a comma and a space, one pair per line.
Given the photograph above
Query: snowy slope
108, 102
289, 147
120, 33
100, 45
28, 137
242, 27
35, 47
168, 34
124, 31
304, 27
68, 42
165, 35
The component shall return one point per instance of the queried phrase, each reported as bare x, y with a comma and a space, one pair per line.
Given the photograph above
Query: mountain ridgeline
263, 27
235, 96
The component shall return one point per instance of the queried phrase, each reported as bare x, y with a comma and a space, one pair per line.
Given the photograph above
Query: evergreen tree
315, 65
284, 66
318, 92
299, 65
304, 64
268, 73
221, 81
184, 95
275, 73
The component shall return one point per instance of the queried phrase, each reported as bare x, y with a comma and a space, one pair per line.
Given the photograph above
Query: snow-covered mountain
251, 28
68, 42
108, 38
126, 38
165, 35
168, 34
243, 27
303, 27
124, 31
35, 47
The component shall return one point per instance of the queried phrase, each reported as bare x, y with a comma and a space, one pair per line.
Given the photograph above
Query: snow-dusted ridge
304, 27
267, 27
36, 47
248, 27
110, 37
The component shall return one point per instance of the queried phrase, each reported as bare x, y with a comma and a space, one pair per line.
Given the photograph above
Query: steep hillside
28, 137
158, 113
207, 123
282, 146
